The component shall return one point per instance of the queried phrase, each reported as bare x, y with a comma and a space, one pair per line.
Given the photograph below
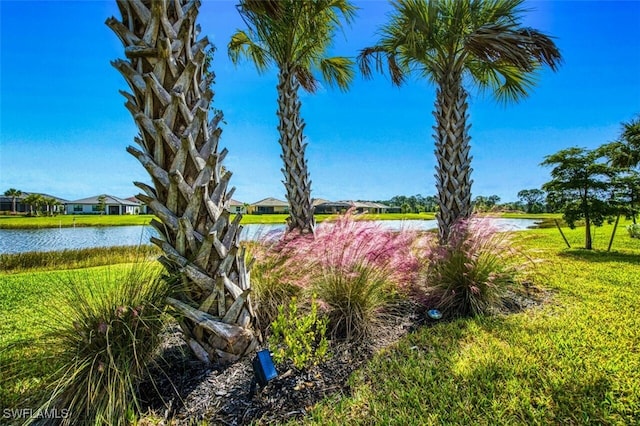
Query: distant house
333, 207
112, 206
6, 203
370, 207
236, 207
269, 206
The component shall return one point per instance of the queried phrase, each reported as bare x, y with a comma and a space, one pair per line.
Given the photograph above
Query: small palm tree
451, 42
14, 194
34, 201
294, 35
625, 153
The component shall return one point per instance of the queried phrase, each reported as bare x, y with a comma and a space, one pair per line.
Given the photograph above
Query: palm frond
506, 82
337, 71
305, 77
541, 47
241, 45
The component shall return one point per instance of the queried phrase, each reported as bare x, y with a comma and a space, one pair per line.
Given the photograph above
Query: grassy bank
68, 221
573, 360
75, 259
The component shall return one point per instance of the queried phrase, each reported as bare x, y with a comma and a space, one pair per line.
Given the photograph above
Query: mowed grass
574, 360
68, 221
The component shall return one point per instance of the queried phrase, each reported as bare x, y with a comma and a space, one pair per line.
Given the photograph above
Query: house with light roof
269, 206
112, 205
236, 207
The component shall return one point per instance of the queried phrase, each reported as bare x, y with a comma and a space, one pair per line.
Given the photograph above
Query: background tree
169, 101
14, 194
533, 200
451, 42
485, 204
626, 193
580, 187
34, 201
102, 204
624, 154
50, 204
294, 36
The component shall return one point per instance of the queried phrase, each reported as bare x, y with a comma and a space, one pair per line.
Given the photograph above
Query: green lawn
66, 221
574, 360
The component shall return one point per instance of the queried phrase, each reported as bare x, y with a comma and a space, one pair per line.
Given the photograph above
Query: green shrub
299, 338
469, 275
104, 336
634, 230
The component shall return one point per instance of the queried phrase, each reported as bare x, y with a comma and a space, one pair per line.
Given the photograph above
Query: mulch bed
183, 390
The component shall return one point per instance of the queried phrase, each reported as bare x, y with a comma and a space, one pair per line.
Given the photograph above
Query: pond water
52, 239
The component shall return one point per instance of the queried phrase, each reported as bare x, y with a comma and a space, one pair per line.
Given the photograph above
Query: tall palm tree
13, 193
454, 42
169, 101
294, 35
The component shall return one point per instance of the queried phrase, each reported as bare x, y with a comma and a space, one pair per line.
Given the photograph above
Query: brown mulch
182, 390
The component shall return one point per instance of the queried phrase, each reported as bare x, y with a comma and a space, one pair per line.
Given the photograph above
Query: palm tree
34, 201
169, 101
453, 42
294, 35
13, 193
625, 153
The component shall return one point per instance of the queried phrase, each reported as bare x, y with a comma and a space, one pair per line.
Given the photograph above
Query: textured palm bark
169, 101
453, 171
295, 169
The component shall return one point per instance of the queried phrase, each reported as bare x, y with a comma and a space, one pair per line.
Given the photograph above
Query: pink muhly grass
352, 266
346, 243
469, 274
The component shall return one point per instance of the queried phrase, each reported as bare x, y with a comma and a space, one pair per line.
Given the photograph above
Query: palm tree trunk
453, 171
295, 169
171, 94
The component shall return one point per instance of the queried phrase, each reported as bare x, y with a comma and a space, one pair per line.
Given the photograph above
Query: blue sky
64, 129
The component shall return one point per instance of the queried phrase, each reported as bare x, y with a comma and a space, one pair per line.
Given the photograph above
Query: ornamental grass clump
273, 283
355, 268
471, 273
103, 334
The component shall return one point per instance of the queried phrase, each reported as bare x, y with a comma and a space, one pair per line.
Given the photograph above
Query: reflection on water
52, 239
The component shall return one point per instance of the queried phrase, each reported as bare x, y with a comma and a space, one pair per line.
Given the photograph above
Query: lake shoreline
55, 239
98, 221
